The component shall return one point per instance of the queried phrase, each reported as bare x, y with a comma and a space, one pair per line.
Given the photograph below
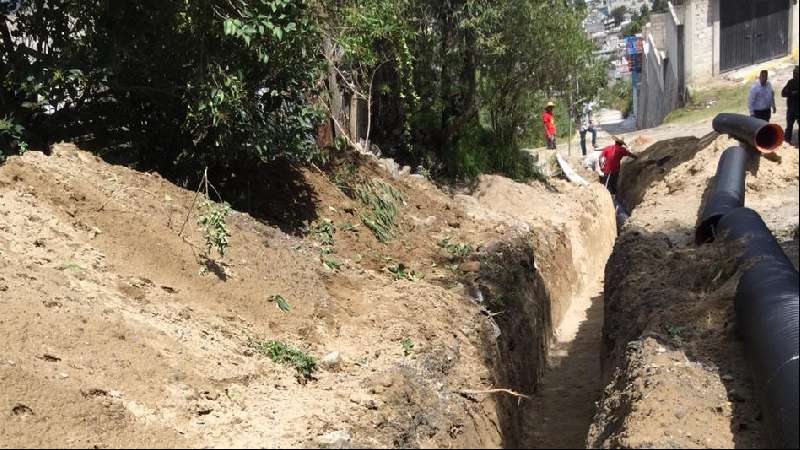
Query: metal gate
752, 31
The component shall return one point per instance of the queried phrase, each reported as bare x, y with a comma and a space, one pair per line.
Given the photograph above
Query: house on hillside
699, 40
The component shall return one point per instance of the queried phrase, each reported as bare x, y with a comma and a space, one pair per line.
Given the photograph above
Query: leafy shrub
215, 231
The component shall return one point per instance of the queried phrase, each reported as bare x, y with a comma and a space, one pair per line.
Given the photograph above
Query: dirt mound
677, 374
669, 184
109, 314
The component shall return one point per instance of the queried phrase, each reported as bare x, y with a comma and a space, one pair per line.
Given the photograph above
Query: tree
660, 6
177, 84
619, 13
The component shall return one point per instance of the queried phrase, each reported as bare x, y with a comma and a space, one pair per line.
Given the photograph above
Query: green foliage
281, 303
381, 200
710, 102
407, 345
324, 232
458, 250
456, 86
220, 82
619, 96
331, 262
638, 21
11, 134
215, 231
618, 14
401, 272
282, 353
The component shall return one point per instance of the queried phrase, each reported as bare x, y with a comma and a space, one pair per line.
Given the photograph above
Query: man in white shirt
761, 101
586, 123
593, 162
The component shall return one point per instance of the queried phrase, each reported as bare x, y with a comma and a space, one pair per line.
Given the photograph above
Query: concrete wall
795, 34
701, 19
661, 89
657, 28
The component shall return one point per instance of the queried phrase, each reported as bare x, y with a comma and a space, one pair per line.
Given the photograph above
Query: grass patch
282, 353
710, 102
381, 200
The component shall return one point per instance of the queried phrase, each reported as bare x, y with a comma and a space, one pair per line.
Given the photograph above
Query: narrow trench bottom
561, 412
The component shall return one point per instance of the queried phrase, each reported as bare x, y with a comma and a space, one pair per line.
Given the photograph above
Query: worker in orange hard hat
549, 125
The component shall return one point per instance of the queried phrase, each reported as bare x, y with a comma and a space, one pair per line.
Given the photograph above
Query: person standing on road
792, 108
761, 100
549, 125
587, 125
611, 163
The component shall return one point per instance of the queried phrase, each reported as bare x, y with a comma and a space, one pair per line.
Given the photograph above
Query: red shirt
549, 123
612, 158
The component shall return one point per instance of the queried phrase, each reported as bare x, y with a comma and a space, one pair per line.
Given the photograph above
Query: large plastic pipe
763, 136
768, 317
728, 192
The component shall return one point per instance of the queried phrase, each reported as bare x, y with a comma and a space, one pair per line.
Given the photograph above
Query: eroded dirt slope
117, 331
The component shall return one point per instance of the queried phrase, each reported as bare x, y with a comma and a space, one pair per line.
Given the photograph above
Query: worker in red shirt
611, 162
549, 125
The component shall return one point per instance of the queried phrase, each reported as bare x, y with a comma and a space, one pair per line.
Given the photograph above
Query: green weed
215, 231
282, 353
381, 200
459, 250
281, 302
332, 262
324, 232
401, 272
407, 345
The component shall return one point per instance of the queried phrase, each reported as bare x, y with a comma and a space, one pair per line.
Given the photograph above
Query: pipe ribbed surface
728, 193
768, 317
763, 136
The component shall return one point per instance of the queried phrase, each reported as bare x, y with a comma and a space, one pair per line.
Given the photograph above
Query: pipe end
769, 138
705, 233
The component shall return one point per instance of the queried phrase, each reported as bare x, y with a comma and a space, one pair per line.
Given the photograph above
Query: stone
335, 439
331, 361
365, 400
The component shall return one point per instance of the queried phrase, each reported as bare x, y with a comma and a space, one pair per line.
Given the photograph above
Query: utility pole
571, 120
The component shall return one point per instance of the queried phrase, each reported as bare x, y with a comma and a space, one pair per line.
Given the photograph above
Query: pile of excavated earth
468, 319
120, 328
676, 371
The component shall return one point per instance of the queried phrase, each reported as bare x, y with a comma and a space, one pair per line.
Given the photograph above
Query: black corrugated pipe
761, 135
728, 192
768, 316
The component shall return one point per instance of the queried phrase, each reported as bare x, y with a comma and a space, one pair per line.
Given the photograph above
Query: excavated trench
546, 291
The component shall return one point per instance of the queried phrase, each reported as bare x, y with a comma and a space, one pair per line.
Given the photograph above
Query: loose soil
676, 374
118, 331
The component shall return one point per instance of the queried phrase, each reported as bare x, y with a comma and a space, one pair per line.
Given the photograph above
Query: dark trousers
792, 116
763, 114
610, 181
583, 139
551, 143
